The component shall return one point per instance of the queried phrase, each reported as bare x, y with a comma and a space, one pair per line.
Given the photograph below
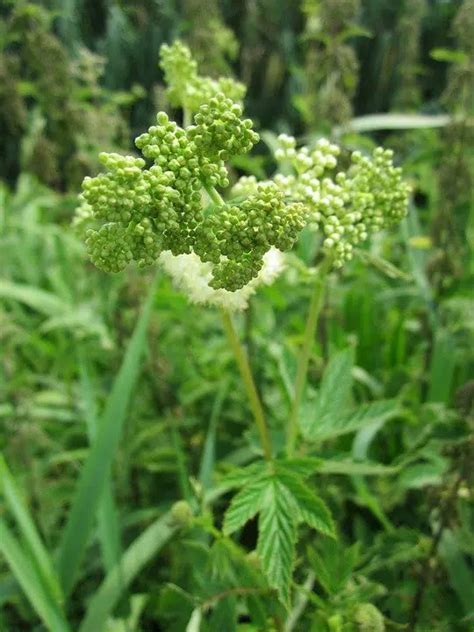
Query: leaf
208, 458
245, 505
138, 554
30, 581
96, 471
311, 508
450, 56
374, 122
334, 393
277, 537
421, 475
350, 468
382, 265
30, 535
330, 427
301, 466
194, 624
239, 477
333, 564
443, 365
44, 302
460, 575
107, 513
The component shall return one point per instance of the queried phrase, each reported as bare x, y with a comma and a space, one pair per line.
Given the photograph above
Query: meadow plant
169, 207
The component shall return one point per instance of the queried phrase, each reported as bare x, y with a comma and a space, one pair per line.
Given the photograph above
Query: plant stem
214, 195
247, 377
304, 354
187, 117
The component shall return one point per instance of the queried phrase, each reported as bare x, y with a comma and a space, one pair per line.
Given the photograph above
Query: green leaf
96, 471
443, 365
44, 302
301, 466
422, 474
31, 583
333, 564
107, 513
30, 535
460, 575
138, 554
208, 458
245, 505
333, 395
354, 468
449, 55
311, 508
239, 477
330, 427
277, 537
381, 264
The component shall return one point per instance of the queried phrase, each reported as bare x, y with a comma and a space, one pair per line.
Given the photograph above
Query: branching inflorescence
153, 208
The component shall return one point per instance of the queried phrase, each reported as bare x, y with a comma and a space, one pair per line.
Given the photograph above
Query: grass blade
459, 572
107, 514
94, 476
209, 452
26, 575
29, 533
44, 302
139, 553
443, 364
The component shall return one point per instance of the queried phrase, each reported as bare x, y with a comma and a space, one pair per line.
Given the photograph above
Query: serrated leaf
302, 466
333, 564
277, 537
332, 426
239, 477
311, 508
244, 506
334, 393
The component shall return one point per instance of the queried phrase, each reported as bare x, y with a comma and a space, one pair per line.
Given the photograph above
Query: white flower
192, 276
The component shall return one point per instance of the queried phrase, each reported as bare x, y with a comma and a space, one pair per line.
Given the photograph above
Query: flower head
153, 208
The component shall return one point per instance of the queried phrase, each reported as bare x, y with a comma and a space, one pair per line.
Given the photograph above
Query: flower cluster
154, 208
345, 205
188, 89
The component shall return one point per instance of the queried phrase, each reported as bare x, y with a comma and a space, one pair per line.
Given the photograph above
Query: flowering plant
166, 208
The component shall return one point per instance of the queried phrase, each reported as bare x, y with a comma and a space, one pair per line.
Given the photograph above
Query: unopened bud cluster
144, 209
188, 89
345, 205
141, 208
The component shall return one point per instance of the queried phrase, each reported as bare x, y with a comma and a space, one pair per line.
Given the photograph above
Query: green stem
214, 195
305, 352
187, 117
247, 377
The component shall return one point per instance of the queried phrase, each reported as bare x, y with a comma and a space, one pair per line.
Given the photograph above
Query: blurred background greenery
82, 76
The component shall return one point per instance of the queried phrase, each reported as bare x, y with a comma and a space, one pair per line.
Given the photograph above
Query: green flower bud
182, 514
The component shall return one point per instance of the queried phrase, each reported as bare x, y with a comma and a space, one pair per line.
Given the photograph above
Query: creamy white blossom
192, 276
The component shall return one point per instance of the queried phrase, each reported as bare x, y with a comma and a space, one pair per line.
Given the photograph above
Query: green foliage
136, 490
282, 499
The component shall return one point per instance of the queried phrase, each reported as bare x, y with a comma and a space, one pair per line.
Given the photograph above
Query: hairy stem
304, 354
249, 383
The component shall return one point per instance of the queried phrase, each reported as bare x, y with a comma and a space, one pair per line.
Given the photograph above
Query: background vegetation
81, 76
